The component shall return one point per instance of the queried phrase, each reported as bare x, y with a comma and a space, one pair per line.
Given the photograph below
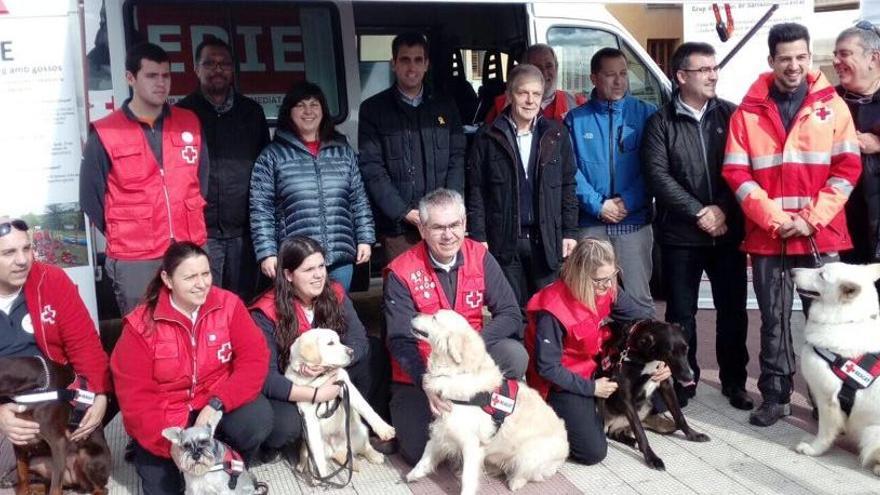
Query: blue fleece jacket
606, 137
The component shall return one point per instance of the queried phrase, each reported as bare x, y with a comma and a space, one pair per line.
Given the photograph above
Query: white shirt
698, 114
192, 317
6, 301
310, 314
446, 267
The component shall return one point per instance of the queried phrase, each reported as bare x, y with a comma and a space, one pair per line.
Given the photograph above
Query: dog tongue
689, 384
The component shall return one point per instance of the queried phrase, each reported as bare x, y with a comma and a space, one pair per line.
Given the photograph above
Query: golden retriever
530, 445
326, 436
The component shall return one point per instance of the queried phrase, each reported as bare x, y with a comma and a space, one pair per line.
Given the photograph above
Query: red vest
414, 269
146, 205
583, 336
266, 304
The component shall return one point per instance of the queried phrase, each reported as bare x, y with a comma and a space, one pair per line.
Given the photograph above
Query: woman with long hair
564, 334
307, 182
303, 298
187, 351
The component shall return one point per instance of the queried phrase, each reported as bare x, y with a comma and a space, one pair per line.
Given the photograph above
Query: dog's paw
655, 462
415, 474
374, 457
806, 448
876, 469
694, 436
515, 484
385, 432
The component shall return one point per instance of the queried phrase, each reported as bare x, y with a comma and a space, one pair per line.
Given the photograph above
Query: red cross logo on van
190, 154
474, 299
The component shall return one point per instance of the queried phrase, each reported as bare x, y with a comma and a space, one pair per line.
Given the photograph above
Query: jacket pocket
195, 219
392, 142
128, 226
166, 362
128, 162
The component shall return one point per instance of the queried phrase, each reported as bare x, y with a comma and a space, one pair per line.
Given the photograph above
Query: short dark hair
602, 55
786, 33
685, 50
214, 42
303, 90
149, 51
408, 39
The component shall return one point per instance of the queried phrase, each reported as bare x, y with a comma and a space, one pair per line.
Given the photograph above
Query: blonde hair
577, 271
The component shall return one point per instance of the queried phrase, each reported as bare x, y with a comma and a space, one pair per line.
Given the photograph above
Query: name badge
502, 403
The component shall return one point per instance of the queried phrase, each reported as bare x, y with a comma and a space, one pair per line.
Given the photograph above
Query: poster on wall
732, 21
41, 132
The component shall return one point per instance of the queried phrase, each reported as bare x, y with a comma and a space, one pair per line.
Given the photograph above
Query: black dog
84, 465
629, 357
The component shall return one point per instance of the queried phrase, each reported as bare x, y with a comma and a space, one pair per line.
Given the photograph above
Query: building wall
649, 21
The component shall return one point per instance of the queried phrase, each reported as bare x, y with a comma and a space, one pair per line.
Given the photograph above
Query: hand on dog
328, 391
91, 420
312, 371
661, 373
604, 387
17, 430
439, 405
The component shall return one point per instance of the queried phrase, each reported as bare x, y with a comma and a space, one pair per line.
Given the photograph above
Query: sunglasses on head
6, 227
867, 26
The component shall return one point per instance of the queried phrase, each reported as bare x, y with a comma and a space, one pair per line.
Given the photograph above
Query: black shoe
739, 398
387, 447
769, 413
129, 451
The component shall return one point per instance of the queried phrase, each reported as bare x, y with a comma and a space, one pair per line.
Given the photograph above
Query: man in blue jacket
614, 203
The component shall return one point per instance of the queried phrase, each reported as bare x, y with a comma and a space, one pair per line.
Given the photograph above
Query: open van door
577, 31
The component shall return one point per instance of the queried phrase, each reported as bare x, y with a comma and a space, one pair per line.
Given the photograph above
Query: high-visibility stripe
745, 188
842, 185
845, 147
791, 156
792, 202
736, 159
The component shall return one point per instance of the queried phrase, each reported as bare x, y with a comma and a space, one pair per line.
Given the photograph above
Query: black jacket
493, 189
384, 132
235, 139
863, 206
681, 160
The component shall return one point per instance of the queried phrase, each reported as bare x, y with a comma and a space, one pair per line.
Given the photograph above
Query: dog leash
348, 466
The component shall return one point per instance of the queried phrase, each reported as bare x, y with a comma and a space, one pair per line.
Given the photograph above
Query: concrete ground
740, 458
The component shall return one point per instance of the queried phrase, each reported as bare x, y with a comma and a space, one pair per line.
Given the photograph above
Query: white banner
736, 77
41, 132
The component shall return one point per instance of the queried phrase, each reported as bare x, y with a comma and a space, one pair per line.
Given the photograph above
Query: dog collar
232, 463
498, 404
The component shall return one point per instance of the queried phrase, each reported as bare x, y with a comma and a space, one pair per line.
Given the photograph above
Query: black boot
769, 413
738, 398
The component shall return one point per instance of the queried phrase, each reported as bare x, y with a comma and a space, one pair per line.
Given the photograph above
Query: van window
575, 46
275, 44
374, 63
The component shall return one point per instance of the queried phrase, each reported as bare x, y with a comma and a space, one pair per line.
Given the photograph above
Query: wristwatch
216, 403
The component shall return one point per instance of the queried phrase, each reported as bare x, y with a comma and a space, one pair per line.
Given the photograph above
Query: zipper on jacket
167, 202
706, 162
611, 148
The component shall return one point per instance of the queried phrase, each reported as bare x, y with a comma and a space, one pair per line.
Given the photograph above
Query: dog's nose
196, 456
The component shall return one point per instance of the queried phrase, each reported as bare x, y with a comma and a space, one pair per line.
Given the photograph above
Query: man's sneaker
738, 398
769, 413
660, 423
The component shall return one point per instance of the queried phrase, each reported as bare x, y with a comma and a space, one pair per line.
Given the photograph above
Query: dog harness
856, 374
76, 394
498, 404
232, 463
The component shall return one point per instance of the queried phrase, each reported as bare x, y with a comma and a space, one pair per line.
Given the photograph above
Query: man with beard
236, 131
792, 161
857, 62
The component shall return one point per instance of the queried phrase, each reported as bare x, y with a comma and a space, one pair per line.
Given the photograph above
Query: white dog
326, 436
843, 330
531, 443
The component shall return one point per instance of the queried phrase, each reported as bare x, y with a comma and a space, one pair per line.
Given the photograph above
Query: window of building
661, 51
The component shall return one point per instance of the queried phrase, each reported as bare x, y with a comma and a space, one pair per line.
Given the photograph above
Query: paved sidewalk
739, 459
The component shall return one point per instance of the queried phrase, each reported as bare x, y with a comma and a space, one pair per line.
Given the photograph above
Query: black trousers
726, 267
586, 430
527, 271
244, 429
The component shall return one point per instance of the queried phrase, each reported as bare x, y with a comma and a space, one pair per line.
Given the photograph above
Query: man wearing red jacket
41, 314
143, 176
792, 159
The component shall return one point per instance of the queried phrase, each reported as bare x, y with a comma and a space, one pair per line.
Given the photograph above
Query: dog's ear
309, 352
849, 291
874, 270
645, 341
172, 434
214, 421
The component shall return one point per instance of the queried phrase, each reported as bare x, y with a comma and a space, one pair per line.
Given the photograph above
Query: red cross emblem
48, 314
474, 299
190, 154
495, 400
823, 113
224, 354
849, 367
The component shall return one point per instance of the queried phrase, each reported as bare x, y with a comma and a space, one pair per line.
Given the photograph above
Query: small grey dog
209, 466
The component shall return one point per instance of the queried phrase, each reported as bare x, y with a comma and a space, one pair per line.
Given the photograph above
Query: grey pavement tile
758, 477
669, 486
382, 488
713, 483
591, 479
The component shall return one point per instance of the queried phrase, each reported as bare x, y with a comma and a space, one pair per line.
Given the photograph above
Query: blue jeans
342, 274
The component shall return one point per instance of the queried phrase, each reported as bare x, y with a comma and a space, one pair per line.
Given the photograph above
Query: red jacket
415, 270
562, 103
148, 205
809, 171
583, 335
63, 329
266, 305
165, 367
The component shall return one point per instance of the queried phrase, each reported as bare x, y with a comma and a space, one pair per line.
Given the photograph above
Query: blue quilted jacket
323, 197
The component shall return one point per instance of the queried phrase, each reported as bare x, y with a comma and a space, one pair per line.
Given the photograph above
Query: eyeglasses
439, 230
703, 70
224, 66
6, 227
867, 26
606, 281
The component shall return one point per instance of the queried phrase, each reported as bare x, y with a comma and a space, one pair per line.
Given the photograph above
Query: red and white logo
3, 9
48, 314
224, 353
190, 154
823, 114
474, 299
857, 373
502, 403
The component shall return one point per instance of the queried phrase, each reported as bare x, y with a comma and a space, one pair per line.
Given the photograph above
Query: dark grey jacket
323, 197
681, 163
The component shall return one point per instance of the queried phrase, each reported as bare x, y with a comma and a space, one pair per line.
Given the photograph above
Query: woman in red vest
565, 333
303, 298
188, 350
